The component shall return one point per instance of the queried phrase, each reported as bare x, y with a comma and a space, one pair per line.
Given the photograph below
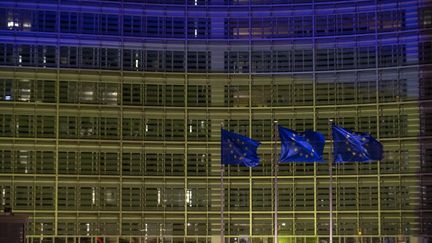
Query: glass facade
110, 115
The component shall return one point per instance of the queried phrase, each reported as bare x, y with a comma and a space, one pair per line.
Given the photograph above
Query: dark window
109, 24
110, 58
198, 61
7, 54
133, 60
90, 23
89, 57
132, 25
69, 22
44, 21
391, 20
68, 56
237, 62
393, 55
198, 28
425, 52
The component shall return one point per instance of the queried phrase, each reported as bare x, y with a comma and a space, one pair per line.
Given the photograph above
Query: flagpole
222, 192
276, 170
330, 163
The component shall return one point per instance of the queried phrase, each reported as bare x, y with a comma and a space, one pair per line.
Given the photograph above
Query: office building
110, 117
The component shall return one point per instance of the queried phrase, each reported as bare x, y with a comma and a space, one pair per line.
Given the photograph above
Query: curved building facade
110, 116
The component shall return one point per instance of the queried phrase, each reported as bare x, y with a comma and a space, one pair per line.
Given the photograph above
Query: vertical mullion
378, 123
314, 113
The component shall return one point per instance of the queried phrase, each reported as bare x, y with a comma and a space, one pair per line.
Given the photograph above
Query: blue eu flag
355, 146
304, 146
237, 149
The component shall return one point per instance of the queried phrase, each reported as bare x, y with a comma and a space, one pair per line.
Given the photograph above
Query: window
392, 89
198, 164
366, 57
89, 57
425, 52
45, 91
20, 19
198, 95
89, 165
133, 163
284, 93
5, 195
393, 126
89, 127
325, 89
87, 92
366, 22
237, 28
132, 94
108, 93
237, 62
154, 129
174, 27
262, 196
69, 57
108, 128
87, 197
154, 61
198, 61
131, 199
24, 125
6, 162
67, 197
174, 95
238, 126
23, 197
174, 129
393, 55
425, 17
236, 95
262, 27
153, 95
110, 58
6, 90
68, 162
154, 26
174, 164
303, 60
133, 128
109, 24
25, 56
45, 126
133, 60
44, 21
198, 28
7, 56
109, 163
132, 25
261, 61
174, 61
69, 22
198, 129
391, 20
90, 23
345, 23
238, 197
44, 198
109, 200
335, 59
262, 129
